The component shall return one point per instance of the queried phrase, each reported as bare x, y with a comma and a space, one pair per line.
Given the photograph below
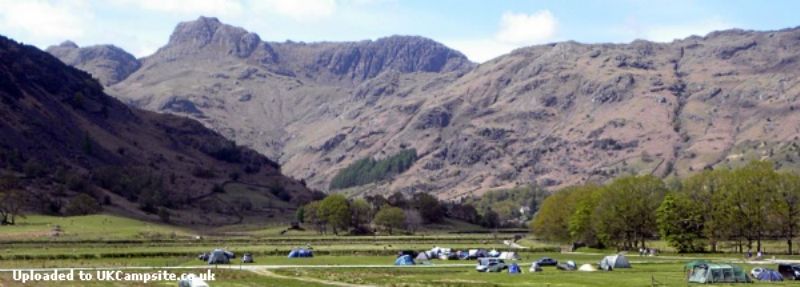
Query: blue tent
404, 260
770, 275
514, 268
300, 253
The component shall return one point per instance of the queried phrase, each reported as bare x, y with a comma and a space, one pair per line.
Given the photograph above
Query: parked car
546, 261
789, 271
247, 258
490, 265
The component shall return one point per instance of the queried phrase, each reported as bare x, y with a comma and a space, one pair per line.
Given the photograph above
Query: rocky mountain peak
210, 33
68, 44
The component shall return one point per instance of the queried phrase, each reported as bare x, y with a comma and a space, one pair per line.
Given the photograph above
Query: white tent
494, 253
587, 268
509, 256
614, 261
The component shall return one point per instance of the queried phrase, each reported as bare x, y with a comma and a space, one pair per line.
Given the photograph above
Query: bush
82, 204
369, 170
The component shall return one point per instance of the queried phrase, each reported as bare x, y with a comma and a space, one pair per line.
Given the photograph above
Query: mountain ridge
63, 136
551, 115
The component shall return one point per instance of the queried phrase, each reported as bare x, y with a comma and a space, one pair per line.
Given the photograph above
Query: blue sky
480, 29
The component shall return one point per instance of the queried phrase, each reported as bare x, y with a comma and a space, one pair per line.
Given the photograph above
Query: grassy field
107, 241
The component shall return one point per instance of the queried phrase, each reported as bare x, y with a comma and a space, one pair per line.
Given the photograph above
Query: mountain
107, 63
552, 115
63, 136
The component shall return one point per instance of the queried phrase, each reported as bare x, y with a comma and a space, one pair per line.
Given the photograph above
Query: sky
481, 30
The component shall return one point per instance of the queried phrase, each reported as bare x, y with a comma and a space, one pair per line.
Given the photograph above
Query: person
749, 254
759, 255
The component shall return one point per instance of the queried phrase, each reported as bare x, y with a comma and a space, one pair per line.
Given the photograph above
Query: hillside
63, 136
554, 115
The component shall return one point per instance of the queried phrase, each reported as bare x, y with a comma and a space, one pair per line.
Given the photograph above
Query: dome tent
300, 253
404, 260
614, 261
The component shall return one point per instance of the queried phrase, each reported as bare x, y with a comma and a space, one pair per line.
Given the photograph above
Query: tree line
743, 206
369, 170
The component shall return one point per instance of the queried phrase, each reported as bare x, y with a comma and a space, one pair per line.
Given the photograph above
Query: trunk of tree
789, 244
713, 243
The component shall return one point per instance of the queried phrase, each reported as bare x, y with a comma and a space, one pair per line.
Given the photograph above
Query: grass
100, 226
111, 241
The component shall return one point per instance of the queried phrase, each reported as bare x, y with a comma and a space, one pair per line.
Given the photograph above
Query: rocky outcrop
107, 63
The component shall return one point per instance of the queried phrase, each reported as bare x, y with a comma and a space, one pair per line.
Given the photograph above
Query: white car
490, 265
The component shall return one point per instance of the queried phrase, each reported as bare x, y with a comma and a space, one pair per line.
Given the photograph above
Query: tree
413, 220
749, 191
82, 204
336, 211
580, 224
625, 213
550, 223
428, 207
390, 218
11, 204
490, 219
398, 199
786, 211
299, 215
706, 189
680, 223
312, 215
361, 212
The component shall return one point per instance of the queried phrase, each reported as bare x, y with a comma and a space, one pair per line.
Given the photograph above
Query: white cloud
41, 21
526, 29
299, 10
515, 30
668, 33
189, 7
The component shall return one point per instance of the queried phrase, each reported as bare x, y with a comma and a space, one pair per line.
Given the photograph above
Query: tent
424, 256
769, 275
219, 256
192, 281
404, 260
587, 268
567, 266
614, 261
300, 253
493, 253
689, 267
514, 269
509, 256
412, 253
535, 268
477, 253
718, 273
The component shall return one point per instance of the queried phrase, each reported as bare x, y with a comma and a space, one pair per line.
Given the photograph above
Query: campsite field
105, 241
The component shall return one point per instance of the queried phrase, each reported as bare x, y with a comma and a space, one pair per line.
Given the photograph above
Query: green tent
689, 266
718, 273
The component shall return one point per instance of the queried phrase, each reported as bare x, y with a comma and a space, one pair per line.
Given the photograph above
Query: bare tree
413, 220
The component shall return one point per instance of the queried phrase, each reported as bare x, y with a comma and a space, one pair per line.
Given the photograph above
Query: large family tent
300, 253
769, 275
718, 273
614, 261
404, 260
508, 256
219, 256
477, 253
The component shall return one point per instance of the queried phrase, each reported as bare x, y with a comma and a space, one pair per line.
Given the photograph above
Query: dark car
547, 261
789, 271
